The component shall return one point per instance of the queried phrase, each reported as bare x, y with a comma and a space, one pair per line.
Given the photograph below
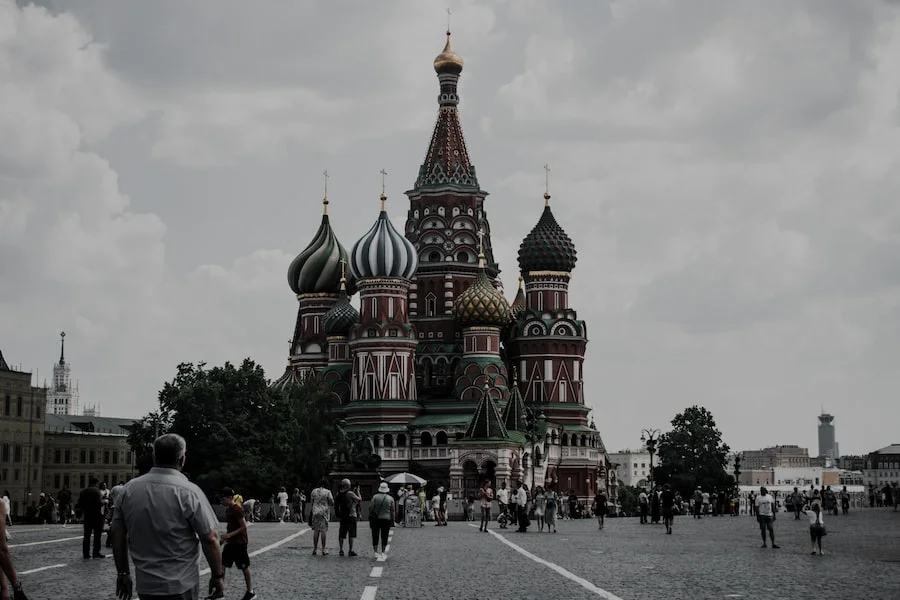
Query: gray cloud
727, 170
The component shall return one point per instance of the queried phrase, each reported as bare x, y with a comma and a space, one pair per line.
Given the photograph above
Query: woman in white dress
540, 501
322, 505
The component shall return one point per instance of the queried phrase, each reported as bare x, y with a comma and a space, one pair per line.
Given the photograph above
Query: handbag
373, 514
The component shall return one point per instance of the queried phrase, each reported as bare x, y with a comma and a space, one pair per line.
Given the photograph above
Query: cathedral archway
441, 438
470, 478
426, 439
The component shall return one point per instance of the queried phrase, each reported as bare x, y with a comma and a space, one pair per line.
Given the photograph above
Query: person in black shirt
90, 503
668, 507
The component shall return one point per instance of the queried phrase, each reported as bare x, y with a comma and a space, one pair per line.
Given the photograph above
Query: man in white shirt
522, 507
503, 498
765, 514
644, 503
282, 504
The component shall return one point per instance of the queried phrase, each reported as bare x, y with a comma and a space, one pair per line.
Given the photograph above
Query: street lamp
650, 437
737, 484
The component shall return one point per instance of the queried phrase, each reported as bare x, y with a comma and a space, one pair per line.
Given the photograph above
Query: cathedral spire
486, 423
62, 347
447, 159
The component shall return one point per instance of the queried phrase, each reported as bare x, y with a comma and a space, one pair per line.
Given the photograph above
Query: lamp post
737, 485
650, 437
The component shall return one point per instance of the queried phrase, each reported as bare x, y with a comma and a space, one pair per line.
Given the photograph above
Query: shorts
347, 528
765, 522
236, 555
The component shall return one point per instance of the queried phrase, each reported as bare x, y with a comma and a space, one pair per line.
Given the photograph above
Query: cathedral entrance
471, 480
488, 471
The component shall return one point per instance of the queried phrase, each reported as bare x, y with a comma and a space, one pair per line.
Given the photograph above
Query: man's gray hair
168, 449
345, 484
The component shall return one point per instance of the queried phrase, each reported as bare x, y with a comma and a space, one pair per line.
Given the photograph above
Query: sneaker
351, 553
813, 552
249, 596
764, 545
341, 553
98, 555
776, 546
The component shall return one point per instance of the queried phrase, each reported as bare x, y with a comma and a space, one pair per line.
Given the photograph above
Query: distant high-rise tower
827, 446
62, 398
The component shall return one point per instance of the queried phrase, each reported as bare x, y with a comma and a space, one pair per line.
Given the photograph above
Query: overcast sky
728, 171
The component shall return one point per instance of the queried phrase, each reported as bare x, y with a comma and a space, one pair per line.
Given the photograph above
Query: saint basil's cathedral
445, 377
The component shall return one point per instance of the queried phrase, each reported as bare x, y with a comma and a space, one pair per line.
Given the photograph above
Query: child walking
236, 540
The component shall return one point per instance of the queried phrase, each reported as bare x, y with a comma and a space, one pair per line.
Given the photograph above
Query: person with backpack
346, 508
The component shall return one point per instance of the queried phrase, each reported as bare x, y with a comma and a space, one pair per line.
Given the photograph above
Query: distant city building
21, 436
883, 467
633, 466
785, 456
828, 447
852, 462
62, 398
792, 476
79, 448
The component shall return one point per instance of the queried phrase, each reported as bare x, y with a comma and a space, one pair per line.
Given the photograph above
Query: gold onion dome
481, 303
448, 61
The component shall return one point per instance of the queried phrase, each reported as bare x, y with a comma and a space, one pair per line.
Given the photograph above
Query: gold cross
448, 20
325, 173
325, 198
383, 175
343, 265
547, 179
480, 235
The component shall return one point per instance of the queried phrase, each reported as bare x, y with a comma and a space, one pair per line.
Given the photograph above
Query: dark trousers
643, 513
522, 518
380, 528
485, 516
94, 526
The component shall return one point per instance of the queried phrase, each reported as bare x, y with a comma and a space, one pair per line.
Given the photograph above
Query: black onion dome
341, 318
481, 304
548, 247
318, 268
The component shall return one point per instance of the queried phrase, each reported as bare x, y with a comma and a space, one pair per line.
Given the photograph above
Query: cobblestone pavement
711, 558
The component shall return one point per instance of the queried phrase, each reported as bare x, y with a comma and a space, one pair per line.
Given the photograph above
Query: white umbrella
405, 479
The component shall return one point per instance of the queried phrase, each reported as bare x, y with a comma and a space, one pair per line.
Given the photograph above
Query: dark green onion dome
518, 305
481, 303
341, 318
548, 247
317, 269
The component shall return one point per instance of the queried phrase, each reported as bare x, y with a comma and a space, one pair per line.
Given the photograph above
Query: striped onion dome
288, 380
548, 247
383, 252
342, 316
318, 268
481, 303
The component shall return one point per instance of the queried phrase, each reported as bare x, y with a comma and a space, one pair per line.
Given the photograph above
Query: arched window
584, 440
401, 440
426, 439
441, 438
462, 257
434, 257
388, 440
376, 441
565, 439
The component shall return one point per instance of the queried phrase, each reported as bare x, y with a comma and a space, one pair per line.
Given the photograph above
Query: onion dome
383, 252
481, 303
548, 247
342, 316
288, 380
518, 305
448, 61
318, 268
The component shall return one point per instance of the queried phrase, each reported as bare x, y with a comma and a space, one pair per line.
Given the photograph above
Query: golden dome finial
383, 195
480, 235
325, 197
448, 61
547, 185
343, 275
521, 279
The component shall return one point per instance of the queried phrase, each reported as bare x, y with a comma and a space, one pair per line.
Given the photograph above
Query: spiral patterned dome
383, 252
481, 303
318, 268
548, 247
341, 318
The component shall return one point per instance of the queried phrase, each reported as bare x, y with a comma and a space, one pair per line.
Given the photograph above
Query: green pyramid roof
514, 414
3, 365
486, 423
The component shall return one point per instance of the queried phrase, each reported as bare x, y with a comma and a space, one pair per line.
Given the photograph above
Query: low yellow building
79, 448
21, 437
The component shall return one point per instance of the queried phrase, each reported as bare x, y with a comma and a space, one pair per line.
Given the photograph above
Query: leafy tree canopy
693, 454
241, 433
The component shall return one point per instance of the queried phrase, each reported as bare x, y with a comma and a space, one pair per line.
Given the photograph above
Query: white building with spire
62, 397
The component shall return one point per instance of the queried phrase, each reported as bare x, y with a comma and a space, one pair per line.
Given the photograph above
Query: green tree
693, 454
628, 499
241, 433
